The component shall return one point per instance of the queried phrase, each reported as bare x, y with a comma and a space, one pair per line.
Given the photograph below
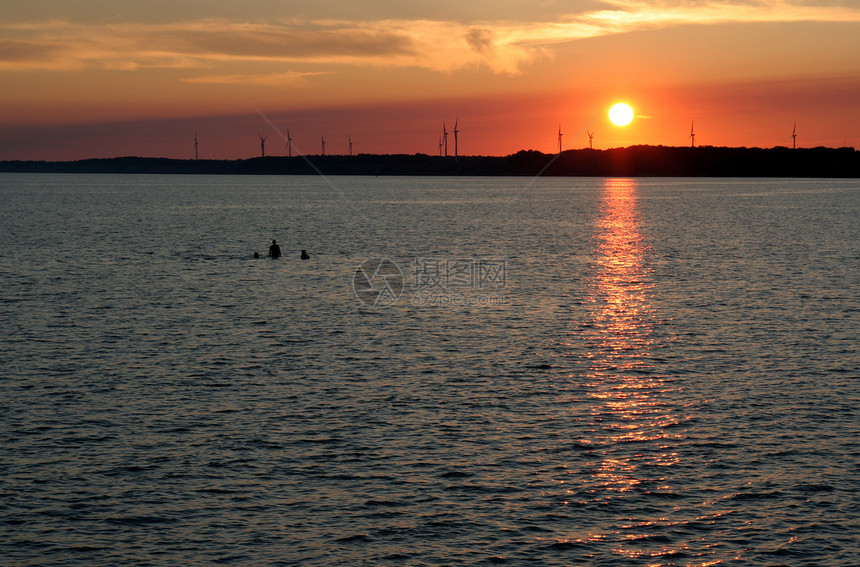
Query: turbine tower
559, 138
262, 145
440, 146
195, 146
692, 135
322, 138
350, 144
445, 138
794, 137
456, 131
289, 144
590, 139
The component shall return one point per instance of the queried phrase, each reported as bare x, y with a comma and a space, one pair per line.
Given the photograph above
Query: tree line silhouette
634, 161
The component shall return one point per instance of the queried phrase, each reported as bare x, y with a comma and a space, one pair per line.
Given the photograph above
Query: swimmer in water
274, 250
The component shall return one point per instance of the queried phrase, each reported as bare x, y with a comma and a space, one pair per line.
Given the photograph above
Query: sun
621, 114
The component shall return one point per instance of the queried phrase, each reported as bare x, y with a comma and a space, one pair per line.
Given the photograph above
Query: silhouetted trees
634, 161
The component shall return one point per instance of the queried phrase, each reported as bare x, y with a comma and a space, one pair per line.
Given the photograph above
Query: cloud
444, 46
481, 40
11, 50
638, 14
29, 54
218, 40
270, 79
198, 44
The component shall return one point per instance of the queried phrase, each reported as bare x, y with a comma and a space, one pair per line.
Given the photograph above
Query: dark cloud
24, 51
481, 40
290, 43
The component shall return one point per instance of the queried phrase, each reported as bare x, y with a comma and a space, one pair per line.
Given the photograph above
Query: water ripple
671, 381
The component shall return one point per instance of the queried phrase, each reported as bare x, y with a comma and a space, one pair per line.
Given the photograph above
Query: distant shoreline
634, 161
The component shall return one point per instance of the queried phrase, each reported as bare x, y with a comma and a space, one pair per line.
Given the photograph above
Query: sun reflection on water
620, 293
629, 419
619, 330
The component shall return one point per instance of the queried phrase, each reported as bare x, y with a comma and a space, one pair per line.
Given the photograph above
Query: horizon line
440, 157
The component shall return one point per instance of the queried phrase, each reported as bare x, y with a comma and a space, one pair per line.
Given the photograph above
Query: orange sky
98, 78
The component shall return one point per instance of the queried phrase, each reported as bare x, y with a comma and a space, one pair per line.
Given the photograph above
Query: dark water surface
576, 371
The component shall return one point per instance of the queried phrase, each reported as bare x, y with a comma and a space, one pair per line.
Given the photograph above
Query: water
576, 372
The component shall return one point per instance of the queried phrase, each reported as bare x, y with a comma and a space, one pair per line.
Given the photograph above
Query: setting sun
621, 114
388, 75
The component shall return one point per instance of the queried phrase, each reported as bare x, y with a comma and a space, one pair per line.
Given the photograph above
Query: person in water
274, 250
305, 255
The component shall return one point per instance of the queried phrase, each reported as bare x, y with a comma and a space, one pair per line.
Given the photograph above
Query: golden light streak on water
629, 411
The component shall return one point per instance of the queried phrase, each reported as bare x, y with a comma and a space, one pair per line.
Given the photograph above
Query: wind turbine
289, 144
195, 146
590, 139
323, 144
350, 144
559, 138
262, 145
692, 135
445, 138
794, 137
456, 131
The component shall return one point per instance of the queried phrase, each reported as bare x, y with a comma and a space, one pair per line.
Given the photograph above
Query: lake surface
468, 371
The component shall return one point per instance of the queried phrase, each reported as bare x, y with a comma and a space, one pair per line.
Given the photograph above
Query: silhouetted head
305, 255
273, 241
256, 254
